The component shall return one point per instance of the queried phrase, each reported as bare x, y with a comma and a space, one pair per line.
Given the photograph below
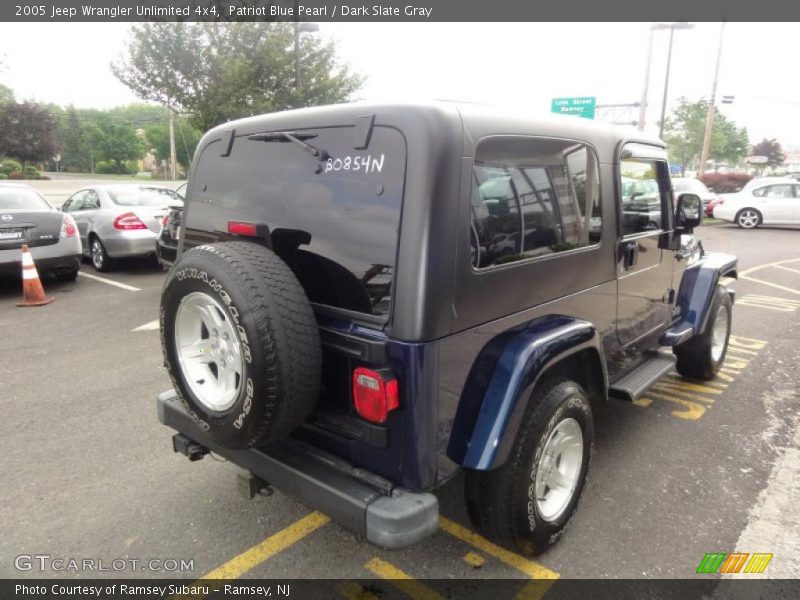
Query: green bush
109, 167
3, 175
9, 164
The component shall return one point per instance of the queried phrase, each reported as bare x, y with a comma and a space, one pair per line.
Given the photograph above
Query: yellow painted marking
474, 560
401, 580
764, 266
239, 565
740, 350
693, 410
530, 568
769, 302
666, 389
735, 364
534, 590
352, 591
758, 563
684, 383
723, 376
769, 283
643, 401
744, 342
787, 269
694, 387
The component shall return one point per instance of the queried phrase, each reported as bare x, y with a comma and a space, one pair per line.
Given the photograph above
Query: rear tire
513, 504
701, 356
101, 261
241, 342
748, 218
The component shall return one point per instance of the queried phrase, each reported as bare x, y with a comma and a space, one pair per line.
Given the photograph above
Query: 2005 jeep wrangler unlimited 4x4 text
369, 298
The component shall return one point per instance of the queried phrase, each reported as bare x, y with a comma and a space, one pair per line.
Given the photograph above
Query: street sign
580, 107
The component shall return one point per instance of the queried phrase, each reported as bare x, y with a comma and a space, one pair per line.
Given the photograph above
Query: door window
643, 197
91, 201
532, 197
74, 202
775, 191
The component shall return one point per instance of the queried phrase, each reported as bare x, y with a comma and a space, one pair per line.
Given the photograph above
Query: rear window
21, 198
334, 221
143, 196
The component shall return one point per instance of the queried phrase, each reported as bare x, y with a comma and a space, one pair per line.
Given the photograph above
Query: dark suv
369, 298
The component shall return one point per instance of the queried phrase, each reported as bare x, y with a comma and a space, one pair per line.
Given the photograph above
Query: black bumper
367, 504
166, 251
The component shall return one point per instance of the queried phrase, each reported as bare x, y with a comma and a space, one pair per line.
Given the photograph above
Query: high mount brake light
373, 395
242, 228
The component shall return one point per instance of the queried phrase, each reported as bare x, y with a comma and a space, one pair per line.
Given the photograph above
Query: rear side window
335, 222
532, 197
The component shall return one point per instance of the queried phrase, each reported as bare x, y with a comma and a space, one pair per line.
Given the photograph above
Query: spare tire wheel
241, 343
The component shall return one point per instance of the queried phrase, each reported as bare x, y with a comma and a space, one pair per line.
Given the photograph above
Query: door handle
630, 254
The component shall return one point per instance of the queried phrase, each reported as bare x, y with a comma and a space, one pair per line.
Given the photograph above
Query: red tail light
68, 227
373, 395
165, 220
242, 228
128, 220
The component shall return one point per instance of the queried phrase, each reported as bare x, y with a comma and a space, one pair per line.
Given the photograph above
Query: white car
773, 203
681, 185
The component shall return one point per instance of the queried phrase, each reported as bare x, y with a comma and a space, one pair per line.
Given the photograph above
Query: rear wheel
701, 356
748, 218
241, 342
526, 503
100, 258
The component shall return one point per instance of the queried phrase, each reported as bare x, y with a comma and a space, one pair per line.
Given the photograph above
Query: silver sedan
118, 221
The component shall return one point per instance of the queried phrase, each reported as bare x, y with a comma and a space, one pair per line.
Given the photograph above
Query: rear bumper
166, 252
137, 242
368, 505
61, 256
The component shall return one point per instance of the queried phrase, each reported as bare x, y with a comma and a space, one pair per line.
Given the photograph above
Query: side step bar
637, 382
363, 502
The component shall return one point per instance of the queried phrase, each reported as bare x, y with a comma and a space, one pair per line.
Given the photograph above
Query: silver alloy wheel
719, 335
559, 469
748, 218
209, 351
97, 254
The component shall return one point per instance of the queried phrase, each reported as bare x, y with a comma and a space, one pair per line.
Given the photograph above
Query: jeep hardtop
369, 298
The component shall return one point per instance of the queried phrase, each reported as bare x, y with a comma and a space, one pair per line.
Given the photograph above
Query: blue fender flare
487, 422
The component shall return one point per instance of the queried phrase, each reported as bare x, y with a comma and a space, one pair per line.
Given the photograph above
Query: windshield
144, 196
21, 198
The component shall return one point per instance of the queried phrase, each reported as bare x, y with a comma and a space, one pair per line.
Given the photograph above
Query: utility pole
672, 27
643, 103
710, 115
172, 155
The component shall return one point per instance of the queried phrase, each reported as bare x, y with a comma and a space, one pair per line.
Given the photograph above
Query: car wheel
526, 503
100, 258
748, 218
66, 276
241, 342
701, 356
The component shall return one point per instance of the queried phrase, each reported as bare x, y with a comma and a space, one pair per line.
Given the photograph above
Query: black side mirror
689, 212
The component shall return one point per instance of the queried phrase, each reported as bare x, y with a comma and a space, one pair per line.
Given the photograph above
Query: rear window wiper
294, 137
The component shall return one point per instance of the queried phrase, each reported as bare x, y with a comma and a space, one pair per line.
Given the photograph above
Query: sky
523, 65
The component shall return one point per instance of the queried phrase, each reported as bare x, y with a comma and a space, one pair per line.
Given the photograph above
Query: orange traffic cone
32, 291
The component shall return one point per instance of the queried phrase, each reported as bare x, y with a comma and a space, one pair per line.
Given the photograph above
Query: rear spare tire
241, 343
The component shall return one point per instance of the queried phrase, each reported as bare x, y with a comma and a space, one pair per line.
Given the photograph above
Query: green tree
771, 149
6, 95
222, 71
72, 139
27, 132
114, 140
684, 132
186, 139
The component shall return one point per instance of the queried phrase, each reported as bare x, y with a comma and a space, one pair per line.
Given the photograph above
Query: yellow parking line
350, 590
769, 283
764, 266
401, 580
239, 565
787, 269
474, 560
530, 568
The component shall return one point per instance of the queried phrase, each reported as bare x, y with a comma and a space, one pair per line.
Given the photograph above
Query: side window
779, 191
92, 200
532, 197
643, 198
75, 202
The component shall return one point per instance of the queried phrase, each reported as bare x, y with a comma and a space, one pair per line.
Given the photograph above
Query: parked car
119, 220
695, 186
169, 236
369, 299
26, 218
775, 203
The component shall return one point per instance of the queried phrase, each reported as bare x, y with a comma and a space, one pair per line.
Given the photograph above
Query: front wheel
701, 356
526, 503
748, 218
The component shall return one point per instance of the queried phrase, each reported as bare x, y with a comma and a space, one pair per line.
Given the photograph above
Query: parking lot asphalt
89, 472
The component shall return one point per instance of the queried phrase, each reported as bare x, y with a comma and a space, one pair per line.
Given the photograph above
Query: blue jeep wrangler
368, 299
